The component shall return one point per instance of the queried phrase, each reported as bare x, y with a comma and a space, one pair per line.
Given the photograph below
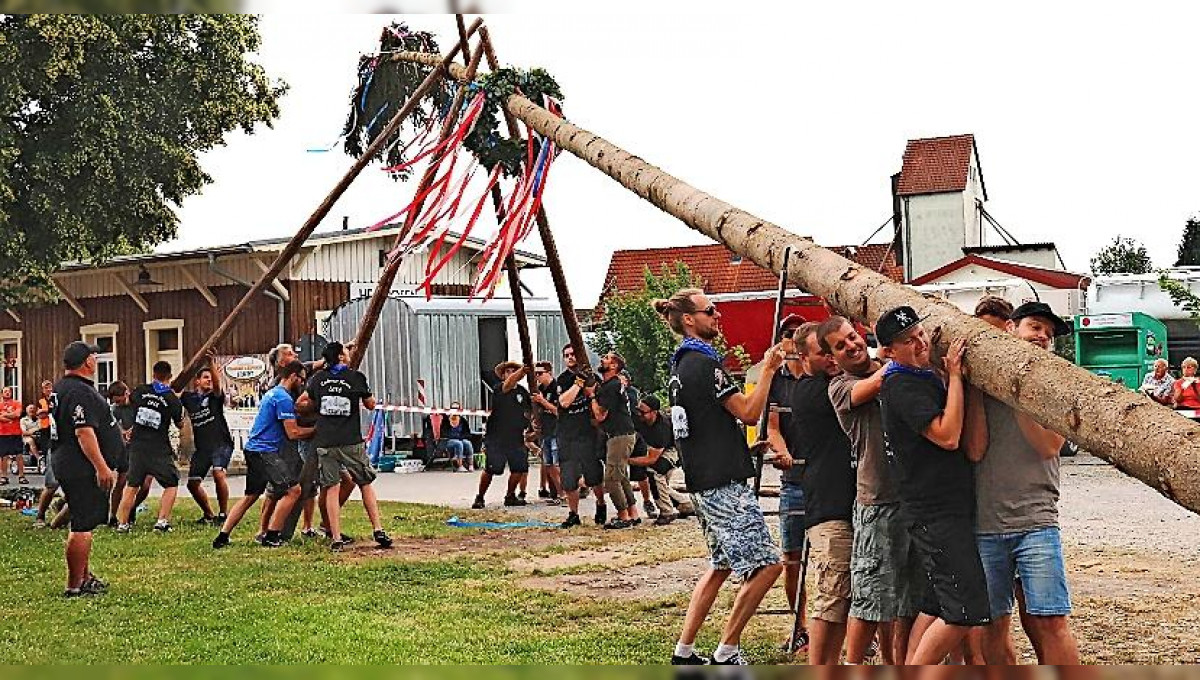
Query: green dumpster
1120, 347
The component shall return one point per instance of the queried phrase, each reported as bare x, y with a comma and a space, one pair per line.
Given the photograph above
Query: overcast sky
1085, 121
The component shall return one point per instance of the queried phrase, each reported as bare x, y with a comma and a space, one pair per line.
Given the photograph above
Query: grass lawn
173, 599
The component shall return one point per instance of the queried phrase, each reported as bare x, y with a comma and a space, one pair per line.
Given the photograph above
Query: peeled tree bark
1142, 438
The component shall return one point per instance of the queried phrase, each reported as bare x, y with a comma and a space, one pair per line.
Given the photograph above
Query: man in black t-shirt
205, 406
88, 444
124, 412
660, 460
504, 441
610, 408
336, 392
922, 423
546, 398
816, 437
706, 408
150, 454
577, 442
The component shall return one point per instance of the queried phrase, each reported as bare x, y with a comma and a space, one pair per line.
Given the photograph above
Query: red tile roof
1049, 277
716, 267
936, 165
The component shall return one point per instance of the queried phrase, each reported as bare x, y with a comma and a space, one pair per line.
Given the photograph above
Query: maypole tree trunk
1140, 437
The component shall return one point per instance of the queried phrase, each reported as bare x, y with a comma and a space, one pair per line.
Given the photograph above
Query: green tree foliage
1189, 246
1180, 294
178, 6
636, 332
1122, 256
104, 117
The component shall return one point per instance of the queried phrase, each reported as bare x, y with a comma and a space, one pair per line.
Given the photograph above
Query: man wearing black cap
151, 456
337, 391
504, 441
923, 422
1016, 519
88, 443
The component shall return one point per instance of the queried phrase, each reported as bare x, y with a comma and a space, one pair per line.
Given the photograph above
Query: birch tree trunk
1142, 438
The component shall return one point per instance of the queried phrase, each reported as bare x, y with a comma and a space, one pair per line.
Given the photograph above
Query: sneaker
382, 539
521, 496
309, 533
259, 538
736, 659
554, 501
93, 585
112, 522
478, 504
273, 542
514, 502
345, 539
162, 527
601, 514
221, 541
635, 522
70, 593
871, 652
664, 520
542, 493
337, 546
218, 520
693, 660
124, 528
572, 521
651, 509
205, 521
618, 524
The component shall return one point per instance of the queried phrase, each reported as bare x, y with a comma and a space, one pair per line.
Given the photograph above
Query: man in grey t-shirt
1016, 491
886, 582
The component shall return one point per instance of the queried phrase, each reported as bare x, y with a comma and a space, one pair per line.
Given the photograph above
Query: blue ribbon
160, 388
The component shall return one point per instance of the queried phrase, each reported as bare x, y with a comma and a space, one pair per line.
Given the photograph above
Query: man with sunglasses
706, 408
577, 441
660, 460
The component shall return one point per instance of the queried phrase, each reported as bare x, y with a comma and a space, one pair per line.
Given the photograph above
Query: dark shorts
87, 501
956, 588
578, 459
498, 455
637, 473
269, 469
42, 439
203, 461
11, 445
159, 465
120, 462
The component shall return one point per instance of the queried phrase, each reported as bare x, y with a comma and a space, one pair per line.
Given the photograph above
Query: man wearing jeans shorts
1016, 525
883, 573
336, 392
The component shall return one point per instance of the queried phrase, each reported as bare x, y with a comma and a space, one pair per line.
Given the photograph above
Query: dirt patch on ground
651, 581
469, 543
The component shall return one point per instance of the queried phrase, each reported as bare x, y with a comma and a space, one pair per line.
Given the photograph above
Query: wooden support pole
67, 297
137, 297
388, 276
435, 76
275, 282
12, 313
198, 285
566, 306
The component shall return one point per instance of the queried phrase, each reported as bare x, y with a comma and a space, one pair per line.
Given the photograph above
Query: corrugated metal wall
441, 347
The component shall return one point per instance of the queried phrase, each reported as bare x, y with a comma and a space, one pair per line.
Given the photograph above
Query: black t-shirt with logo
715, 452
153, 415
574, 421
337, 397
549, 422
658, 436
932, 479
77, 405
782, 386
612, 398
510, 416
207, 413
816, 436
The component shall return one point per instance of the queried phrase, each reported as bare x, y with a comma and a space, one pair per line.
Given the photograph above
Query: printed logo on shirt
79, 416
334, 406
148, 417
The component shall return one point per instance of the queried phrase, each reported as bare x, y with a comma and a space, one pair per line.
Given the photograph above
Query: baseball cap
1041, 309
790, 322
894, 322
77, 353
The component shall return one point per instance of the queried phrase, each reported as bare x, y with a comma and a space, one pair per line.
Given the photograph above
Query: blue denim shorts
791, 517
1036, 557
550, 450
735, 530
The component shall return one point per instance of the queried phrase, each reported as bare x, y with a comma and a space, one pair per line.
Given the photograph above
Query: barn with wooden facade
141, 309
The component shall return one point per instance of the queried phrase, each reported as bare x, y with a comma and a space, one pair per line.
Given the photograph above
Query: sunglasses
709, 310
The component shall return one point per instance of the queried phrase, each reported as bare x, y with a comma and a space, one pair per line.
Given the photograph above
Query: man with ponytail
706, 406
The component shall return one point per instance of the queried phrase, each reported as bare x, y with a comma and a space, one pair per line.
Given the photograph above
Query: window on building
104, 337
10, 363
164, 342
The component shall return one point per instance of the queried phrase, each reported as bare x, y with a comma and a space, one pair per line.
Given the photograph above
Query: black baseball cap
893, 322
77, 353
1041, 309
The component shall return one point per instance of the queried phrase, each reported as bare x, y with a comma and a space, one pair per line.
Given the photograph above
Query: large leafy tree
635, 331
1189, 246
1122, 256
104, 117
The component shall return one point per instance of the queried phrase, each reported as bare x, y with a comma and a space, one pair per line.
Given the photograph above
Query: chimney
345, 222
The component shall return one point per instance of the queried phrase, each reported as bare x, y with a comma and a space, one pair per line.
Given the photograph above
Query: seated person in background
1160, 384
1186, 393
450, 434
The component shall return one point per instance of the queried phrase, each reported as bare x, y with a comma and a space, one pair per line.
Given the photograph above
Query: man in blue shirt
275, 423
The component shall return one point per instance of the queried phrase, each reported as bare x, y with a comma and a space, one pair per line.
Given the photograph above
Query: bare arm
651, 457
866, 390
598, 412
946, 429
546, 404
568, 396
975, 432
513, 380
1176, 394
1047, 443
369, 403
296, 431
749, 408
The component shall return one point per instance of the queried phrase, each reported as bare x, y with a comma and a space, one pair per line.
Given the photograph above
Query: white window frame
152, 355
9, 337
90, 334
